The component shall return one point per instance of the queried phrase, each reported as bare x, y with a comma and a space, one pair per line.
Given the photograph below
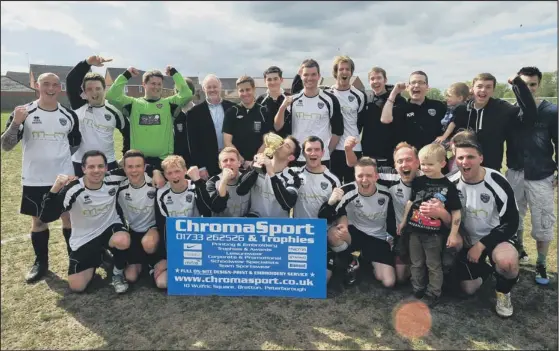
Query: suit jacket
196, 142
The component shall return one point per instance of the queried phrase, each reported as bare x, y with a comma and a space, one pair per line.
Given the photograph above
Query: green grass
47, 316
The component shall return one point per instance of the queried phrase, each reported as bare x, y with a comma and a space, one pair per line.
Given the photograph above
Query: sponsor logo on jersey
189, 197
320, 104
36, 120
299, 103
381, 201
112, 192
358, 203
432, 111
411, 114
351, 98
485, 197
127, 197
63, 121
179, 127
239, 116
86, 199
149, 120
159, 105
151, 194
169, 200
257, 126
323, 185
107, 117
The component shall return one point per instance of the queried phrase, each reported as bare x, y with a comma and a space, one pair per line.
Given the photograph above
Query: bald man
204, 123
47, 131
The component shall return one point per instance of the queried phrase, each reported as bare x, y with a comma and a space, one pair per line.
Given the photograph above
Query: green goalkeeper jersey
151, 121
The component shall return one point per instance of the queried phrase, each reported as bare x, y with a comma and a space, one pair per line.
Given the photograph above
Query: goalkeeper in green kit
151, 117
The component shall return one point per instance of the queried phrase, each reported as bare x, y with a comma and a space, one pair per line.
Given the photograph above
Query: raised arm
184, 94
14, 128
115, 94
74, 84
283, 114
387, 114
58, 200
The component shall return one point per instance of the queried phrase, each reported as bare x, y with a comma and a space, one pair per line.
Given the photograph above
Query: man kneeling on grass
91, 202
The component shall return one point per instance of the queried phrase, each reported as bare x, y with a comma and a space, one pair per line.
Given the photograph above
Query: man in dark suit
198, 134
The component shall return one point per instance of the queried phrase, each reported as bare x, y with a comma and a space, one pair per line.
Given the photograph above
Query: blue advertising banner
247, 257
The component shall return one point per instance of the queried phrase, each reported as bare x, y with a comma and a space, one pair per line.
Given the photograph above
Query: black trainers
37, 271
430, 300
523, 257
351, 272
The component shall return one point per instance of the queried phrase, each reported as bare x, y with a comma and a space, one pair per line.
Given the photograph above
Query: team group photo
300, 207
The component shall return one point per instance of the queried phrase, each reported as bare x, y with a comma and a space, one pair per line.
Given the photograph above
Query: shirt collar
214, 105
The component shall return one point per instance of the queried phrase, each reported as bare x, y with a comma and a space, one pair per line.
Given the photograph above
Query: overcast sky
451, 41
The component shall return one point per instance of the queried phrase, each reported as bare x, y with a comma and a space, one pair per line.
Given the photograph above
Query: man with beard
273, 193
151, 117
490, 221
47, 130
379, 139
180, 197
352, 104
222, 188
420, 117
98, 119
96, 223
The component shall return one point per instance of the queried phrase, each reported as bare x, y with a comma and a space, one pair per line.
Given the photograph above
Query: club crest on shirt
189, 197
86, 199
484, 197
179, 127
239, 116
381, 201
351, 98
107, 117
432, 111
320, 104
411, 114
112, 192
323, 185
151, 194
159, 105
63, 121
358, 203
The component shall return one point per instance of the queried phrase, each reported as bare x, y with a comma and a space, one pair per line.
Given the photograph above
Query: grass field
47, 316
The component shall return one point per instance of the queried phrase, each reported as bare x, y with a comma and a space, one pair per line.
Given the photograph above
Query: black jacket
378, 139
491, 125
532, 140
195, 138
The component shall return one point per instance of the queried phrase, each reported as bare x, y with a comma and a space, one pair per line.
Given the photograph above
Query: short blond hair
173, 160
367, 161
433, 150
404, 145
45, 75
342, 59
230, 149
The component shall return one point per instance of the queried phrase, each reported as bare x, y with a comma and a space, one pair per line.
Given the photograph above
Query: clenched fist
193, 173
336, 196
133, 71
20, 114
61, 181
288, 100
351, 142
399, 87
227, 174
